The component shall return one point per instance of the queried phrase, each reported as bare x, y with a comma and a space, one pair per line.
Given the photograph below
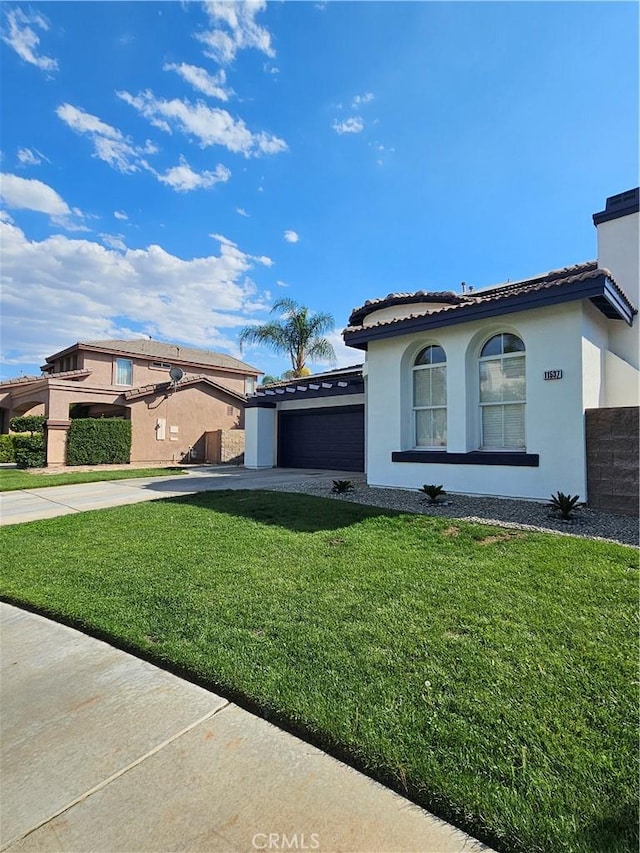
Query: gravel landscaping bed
506, 512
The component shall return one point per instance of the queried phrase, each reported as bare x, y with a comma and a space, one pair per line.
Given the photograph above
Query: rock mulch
505, 512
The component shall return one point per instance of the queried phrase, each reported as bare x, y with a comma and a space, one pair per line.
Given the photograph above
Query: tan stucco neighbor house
131, 379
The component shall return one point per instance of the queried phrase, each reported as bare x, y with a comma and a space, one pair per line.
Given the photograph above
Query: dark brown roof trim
455, 299
619, 205
311, 387
596, 285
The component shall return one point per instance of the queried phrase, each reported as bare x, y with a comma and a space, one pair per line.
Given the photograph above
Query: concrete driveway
32, 504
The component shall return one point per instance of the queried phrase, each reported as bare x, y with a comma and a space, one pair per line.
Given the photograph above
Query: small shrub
341, 487
432, 492
7, 450
564, 504
27, 423
30, 451
98, 441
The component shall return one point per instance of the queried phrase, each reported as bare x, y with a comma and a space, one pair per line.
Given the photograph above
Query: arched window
430, 398
502, 392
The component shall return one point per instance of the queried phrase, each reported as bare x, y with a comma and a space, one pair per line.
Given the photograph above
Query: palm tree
298, 333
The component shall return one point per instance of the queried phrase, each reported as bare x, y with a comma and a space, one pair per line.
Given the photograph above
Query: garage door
331, 438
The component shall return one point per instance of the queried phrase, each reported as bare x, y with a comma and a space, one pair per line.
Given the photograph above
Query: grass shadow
292, 511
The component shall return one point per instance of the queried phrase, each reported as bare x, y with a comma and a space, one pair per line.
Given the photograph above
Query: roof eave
599, 286
169, 388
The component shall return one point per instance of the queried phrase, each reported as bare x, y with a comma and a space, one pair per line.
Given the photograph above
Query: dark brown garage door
331, 438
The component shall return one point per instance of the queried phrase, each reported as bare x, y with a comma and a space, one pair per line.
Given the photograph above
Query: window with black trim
430, 398
503, 393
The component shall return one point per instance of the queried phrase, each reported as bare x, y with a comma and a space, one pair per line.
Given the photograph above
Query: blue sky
169, 169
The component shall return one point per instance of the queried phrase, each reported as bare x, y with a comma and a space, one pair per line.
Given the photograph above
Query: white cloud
291, 236
210, 126
27, 157
234, 29
362, 99
120, 214
28, 194
282, 283
213, 85
241, 211
183, 179
349, 125
88, 287
24, 40
114, 241
225, 241
109, 144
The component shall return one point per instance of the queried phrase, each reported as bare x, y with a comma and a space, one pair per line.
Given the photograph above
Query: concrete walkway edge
104, 752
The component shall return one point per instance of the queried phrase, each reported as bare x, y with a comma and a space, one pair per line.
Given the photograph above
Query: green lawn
12, 479
489, 674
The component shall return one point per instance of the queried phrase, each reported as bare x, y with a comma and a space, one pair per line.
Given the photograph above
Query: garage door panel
322, 438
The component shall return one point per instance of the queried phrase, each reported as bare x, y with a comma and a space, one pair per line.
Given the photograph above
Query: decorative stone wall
613, 480
224, 446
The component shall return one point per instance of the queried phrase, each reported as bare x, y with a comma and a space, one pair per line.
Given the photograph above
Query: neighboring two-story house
169, 414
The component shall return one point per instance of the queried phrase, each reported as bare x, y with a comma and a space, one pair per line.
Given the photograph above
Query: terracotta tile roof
165, 352
66, 374
186, 381
19, 379
452, 302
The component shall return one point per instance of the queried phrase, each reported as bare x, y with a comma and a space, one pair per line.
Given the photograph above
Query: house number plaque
553, 374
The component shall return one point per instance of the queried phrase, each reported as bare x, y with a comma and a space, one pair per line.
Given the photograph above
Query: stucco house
485, 391
131, 379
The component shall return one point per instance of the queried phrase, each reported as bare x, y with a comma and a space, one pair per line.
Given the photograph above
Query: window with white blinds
502, 393
430, 398
124, 371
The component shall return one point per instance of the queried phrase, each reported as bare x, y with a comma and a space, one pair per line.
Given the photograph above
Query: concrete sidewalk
33, 504
103, 752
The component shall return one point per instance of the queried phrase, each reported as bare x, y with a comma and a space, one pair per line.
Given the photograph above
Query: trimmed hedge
30, 450
7, 450
98, 441
27, 423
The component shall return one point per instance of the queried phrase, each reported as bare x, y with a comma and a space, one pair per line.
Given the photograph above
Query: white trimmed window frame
441, 407
507, 404
119, 366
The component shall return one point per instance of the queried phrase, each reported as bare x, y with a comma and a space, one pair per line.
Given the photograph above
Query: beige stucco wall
191, 413
102, 366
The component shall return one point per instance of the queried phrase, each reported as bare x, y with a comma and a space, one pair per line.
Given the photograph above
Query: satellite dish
176, 374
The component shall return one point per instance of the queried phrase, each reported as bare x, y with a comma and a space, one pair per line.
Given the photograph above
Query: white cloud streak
362, 99
210, 126
27, 157
120, 214
182, 178
29, 194
109, 144
234, 29
349, 125
213, 85
19, 35
119, 152
291, 236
